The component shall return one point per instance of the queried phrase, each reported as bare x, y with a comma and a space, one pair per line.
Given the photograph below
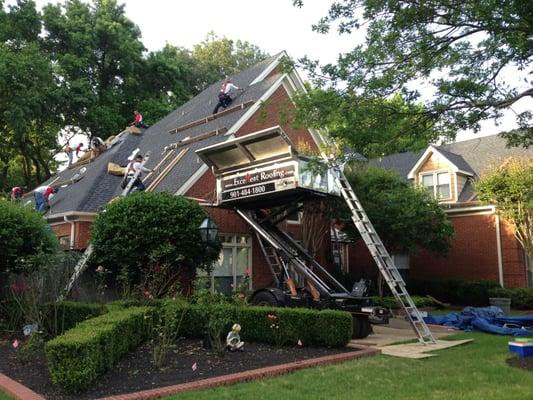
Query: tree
475, 55
405, 217
147, 232
24, 235
372, 127
98, 54
510, 187
29, 100
221, 57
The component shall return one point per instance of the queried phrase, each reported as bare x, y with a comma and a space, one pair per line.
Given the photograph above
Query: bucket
502, 302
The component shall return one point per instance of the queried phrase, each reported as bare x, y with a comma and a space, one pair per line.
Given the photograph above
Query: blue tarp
486, 319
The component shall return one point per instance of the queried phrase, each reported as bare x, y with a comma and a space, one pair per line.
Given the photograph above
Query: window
438, 184
235, 258
64, 242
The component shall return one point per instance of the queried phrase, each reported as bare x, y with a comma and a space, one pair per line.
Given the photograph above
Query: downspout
499, 248
72, 231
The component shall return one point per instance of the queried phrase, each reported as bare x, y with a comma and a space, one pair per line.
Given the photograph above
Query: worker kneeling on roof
135, 168
224, 96
42, 196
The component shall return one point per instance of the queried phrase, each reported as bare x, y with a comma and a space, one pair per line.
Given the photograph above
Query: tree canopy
81, 66
475, 56
404, 216
510, 187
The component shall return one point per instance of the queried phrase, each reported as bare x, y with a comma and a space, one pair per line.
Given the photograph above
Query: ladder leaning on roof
382, 258
82, 262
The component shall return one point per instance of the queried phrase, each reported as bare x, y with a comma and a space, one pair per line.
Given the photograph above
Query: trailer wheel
264, 298
361, 326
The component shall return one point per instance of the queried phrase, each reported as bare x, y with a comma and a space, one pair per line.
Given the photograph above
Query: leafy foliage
521, 298
24, 235
404, 216
510, 187
475, 56
150, 229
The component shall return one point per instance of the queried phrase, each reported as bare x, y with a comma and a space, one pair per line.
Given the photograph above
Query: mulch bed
135, 371
525, 363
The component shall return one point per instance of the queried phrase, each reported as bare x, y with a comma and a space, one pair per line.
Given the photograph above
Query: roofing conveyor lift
262, 171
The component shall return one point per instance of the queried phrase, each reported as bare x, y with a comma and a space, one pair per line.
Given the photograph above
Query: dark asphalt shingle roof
98, 187
474, 156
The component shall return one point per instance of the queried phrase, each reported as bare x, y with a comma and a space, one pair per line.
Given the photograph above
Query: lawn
4, 396
475, 371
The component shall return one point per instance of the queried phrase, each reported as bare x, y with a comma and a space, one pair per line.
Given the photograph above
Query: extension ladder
382, 258
136, 176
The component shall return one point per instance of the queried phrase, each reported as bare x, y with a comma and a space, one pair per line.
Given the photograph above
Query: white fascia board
432, 150
268, 69
71, 214
192, 180
477, 209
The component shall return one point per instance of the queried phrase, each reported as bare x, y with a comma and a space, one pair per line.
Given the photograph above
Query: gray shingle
97, 187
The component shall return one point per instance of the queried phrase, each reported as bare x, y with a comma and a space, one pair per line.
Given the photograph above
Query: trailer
263, 178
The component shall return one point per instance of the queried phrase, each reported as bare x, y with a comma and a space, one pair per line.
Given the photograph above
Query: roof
97, 187
472, 156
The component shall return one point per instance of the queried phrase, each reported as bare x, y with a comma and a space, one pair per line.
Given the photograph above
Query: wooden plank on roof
197, 138
165, 171
212, 117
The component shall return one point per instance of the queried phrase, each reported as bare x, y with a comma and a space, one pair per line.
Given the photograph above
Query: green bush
60, 317
390, 302
78, 357
521, 298
459, 292
150, 229
23, 235
312, 327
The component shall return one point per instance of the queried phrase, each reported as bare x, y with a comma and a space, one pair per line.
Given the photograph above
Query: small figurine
233, 340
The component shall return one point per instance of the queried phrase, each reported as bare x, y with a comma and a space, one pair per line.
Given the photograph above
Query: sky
273, 25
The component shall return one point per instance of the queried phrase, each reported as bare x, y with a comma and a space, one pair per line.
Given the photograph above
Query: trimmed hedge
312, 327
65, 315
390, 302
459, 292
521, 298
78, 357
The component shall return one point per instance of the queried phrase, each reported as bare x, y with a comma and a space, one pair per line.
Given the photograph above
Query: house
172, 143
484, 247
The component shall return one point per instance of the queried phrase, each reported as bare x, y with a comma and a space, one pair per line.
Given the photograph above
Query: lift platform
264, 179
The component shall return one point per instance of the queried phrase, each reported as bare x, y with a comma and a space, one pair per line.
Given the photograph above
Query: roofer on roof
224, 95
16, 193
70, 153
133, 167
98, 145
79, 148
138, 122
42, 195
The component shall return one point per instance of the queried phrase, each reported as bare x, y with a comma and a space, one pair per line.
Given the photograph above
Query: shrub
145, 233
23, 234
390, 302
312, 327
459, 292
83, 353
521, 298
60, 317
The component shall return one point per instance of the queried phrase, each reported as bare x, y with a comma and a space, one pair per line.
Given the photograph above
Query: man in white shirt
224, 96
133, 167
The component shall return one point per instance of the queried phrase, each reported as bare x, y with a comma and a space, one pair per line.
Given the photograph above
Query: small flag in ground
15, 343
300, 344
194, 367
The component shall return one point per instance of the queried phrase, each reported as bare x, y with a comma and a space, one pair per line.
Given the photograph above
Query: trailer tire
264, 298
361, 326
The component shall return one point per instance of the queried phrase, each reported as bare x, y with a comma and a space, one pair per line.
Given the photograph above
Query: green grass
475, 371
4, 396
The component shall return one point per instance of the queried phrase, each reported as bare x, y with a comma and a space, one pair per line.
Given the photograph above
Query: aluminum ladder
135, 176
382, 258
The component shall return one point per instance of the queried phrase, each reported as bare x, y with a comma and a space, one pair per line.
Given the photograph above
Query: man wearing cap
42, 196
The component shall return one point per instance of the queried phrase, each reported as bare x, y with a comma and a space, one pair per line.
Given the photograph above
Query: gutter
499, 249
72, 231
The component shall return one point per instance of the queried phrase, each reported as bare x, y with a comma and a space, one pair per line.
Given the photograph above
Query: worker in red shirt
16, 193
138, 122
78, 149
42, 196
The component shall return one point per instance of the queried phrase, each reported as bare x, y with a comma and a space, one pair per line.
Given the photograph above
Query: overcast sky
273, 25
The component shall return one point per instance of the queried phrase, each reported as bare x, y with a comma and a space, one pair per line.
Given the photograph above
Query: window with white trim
233, 264
437, 184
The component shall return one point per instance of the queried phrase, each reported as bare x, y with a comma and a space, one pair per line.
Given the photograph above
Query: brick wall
473, 255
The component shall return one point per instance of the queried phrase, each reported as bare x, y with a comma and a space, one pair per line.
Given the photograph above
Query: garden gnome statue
233, 340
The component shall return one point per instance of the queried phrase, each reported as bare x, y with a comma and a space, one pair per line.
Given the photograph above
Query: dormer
442, 173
